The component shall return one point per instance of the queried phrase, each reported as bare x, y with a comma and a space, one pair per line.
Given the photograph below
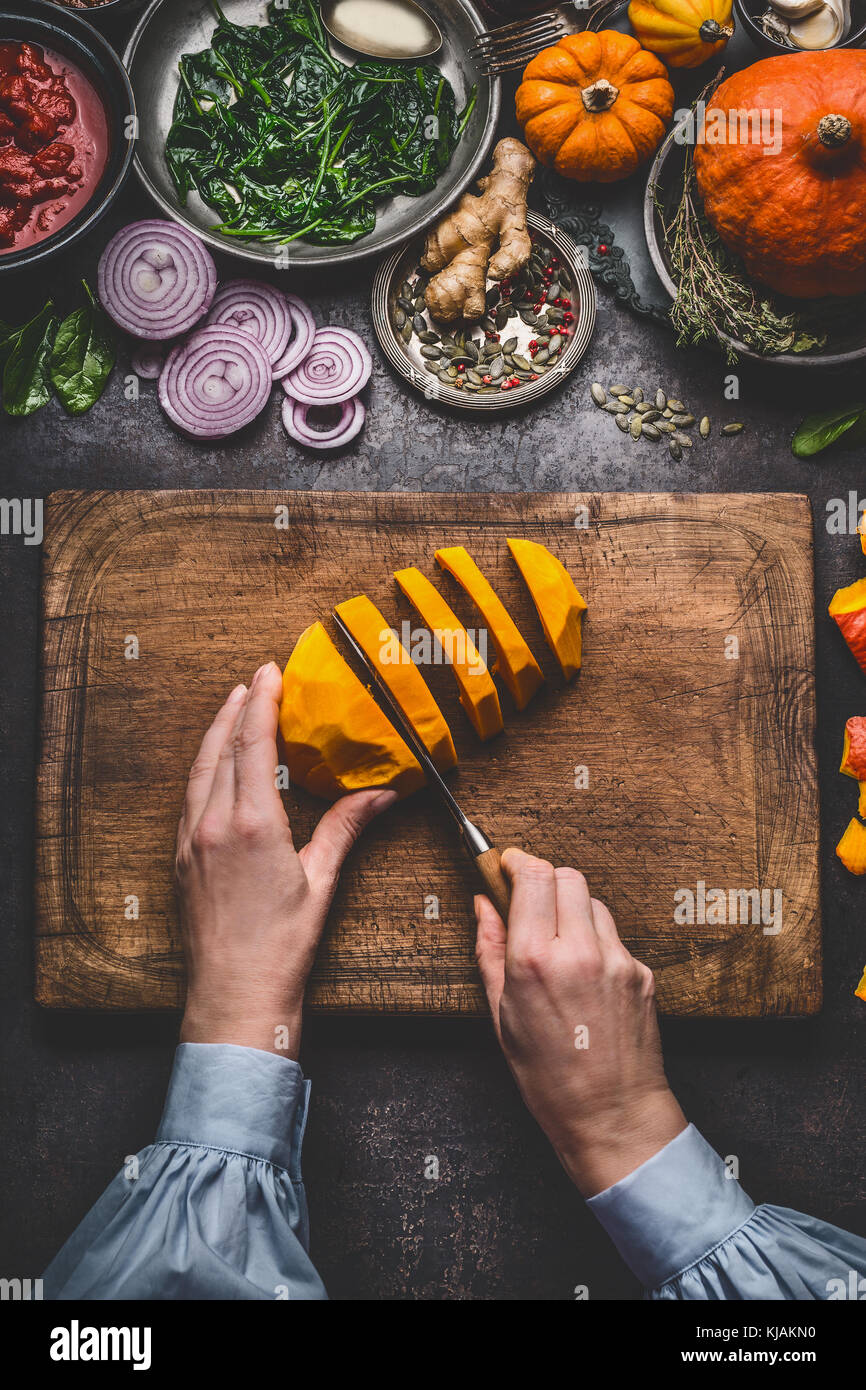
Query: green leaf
819, 431
26, 386
83, 357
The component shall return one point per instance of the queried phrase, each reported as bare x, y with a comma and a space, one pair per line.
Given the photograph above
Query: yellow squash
337, 739
851, 849
514, 661
686, 33
478, 694
558, 602
401, 676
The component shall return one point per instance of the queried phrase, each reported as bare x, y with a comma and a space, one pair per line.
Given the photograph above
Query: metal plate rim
584, 287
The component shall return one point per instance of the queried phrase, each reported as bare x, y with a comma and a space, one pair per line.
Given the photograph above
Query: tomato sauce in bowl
54, 143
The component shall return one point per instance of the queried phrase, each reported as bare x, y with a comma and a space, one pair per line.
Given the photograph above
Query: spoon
382, 28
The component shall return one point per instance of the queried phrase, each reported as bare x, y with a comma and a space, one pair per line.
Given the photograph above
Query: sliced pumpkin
861, 531
851, 849
556, 598
401, 676
860, 991
514, 661
337, 739
854, 756
478, 694
848, 607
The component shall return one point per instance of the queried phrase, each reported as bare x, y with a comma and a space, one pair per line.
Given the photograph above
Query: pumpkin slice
514, 660
556, 598
861, 531
860, 991
851, 849
337, 739
848, 607
478, 694
401, 676
854, 756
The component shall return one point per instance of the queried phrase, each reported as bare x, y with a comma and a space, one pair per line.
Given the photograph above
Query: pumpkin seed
529, 319
399, 318
554, 290
526, 305
406, 290
428, 336
420, 304
683, 439
406, 331
616, 408
488, 324
557, 316
543, 339
644, 408
543, 355
733, 428
634, 427
598, 393
497, 368
676, 406
619, 390
683, 420
470, 351
509, 345
419, 324
492, 296
432, 367
406, 304
676, 450
627, 400
472, 385
502, 317
428, 350
638, 395
661, 400
472, 375
622, 421
444, 377
521, 362
665, 426
555, 343
451, 372
704, 427
667, 413
650, 431
541, 321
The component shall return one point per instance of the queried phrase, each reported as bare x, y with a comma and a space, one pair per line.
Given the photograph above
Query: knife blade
480, 850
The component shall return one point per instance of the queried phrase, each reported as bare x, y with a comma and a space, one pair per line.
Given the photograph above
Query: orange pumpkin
794, 215
594, 106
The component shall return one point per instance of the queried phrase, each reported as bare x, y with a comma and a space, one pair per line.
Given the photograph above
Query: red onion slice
215, 383
148, 362
156, 279
350, 423
337, 366
257, 308
304, 330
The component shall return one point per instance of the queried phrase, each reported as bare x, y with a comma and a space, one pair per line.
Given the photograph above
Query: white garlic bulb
797, 9
824, 27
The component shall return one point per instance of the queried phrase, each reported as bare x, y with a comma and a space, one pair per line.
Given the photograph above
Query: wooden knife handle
495, 882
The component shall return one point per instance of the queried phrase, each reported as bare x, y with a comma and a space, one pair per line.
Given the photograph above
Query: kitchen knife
478, 847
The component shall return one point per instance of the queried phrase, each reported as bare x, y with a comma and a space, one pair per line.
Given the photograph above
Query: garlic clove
824, 28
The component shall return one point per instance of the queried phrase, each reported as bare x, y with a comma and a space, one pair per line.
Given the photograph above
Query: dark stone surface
80, 1092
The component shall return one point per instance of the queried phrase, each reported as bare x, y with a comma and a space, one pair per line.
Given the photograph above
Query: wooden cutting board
691, 726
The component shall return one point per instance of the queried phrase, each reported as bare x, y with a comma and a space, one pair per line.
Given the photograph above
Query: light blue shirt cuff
673, 1210
239, 1100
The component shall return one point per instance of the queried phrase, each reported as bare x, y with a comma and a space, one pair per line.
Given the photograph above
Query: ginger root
460, 247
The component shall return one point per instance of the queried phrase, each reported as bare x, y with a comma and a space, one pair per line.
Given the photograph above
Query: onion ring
337, 366
350, 423
303, 329
148, 362
215, 383
156, 279
257, 308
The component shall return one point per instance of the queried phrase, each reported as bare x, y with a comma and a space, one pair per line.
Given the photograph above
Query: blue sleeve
688, 1231
215, 1208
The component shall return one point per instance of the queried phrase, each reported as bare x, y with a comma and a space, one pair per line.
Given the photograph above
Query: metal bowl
664, 186
749, 14
55, 27
407, 360
170, 28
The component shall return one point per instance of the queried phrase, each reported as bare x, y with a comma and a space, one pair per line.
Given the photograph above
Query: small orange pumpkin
594, 106
794, 214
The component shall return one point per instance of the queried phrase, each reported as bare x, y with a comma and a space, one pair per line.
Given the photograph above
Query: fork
512, 45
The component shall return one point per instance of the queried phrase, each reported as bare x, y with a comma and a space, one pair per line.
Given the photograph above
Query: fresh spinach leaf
83, 356
819, 431
26, 385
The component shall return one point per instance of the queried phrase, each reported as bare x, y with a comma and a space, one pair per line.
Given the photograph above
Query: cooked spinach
26, 386
83, 356
284, 141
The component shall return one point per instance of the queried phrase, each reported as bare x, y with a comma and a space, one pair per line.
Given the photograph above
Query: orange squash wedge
337, 739
860, 991
848, 607
854, 756
851, 849
478, 694
514, 661
556, 598
401, 676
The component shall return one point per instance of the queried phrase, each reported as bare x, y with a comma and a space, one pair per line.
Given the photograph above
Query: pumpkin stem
713, 32
833, 131
600, 96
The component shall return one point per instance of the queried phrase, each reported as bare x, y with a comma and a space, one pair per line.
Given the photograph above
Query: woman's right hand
575, 1015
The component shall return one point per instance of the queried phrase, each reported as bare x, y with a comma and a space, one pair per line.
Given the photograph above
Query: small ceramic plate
409, 360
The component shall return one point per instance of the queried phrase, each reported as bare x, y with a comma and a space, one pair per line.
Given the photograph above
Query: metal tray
170, 28
408, 362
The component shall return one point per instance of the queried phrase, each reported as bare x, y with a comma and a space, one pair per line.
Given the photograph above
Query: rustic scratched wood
700, 767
